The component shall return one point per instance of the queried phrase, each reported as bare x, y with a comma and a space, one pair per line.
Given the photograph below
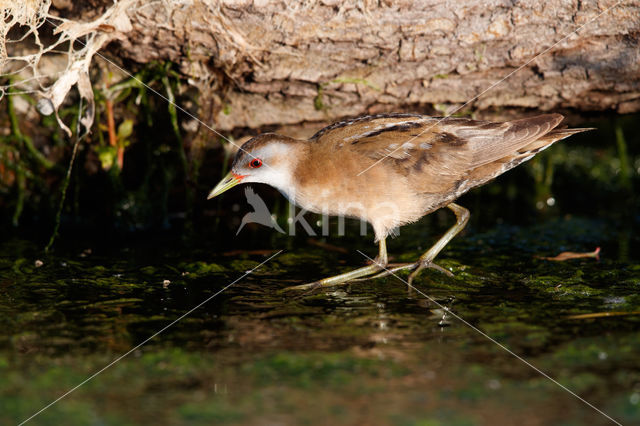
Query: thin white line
147, 339
497, 343
493, 85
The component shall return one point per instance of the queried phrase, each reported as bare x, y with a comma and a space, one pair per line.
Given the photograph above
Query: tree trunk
265, 62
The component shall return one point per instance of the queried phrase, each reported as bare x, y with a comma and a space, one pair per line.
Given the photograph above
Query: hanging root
34, 65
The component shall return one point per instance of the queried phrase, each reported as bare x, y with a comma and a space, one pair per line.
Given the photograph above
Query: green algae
311, 370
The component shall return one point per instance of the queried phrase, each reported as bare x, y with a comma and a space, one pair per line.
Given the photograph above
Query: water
371, 352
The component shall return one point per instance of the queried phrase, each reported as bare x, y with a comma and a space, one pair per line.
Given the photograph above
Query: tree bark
265, 62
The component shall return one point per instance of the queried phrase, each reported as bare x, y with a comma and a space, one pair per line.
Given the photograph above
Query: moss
195, 269
318, 369
205, 413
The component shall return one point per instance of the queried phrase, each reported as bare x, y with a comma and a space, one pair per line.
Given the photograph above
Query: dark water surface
372, 352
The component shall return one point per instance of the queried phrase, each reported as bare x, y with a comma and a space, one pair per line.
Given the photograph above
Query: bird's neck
281, 172
298, 153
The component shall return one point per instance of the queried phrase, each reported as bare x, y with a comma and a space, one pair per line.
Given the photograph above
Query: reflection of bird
260, 214
391, 169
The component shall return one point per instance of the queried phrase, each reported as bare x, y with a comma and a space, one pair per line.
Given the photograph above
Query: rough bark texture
266, 62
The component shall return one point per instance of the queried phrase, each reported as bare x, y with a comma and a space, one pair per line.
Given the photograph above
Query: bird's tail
487, 172
549, 139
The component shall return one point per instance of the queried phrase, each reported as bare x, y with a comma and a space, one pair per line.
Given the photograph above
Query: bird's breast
337, 187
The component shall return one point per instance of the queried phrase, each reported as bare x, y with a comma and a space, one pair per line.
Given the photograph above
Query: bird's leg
378, 264
392, 271
426, 260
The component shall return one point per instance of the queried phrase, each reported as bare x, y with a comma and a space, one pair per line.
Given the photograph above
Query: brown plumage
392, 169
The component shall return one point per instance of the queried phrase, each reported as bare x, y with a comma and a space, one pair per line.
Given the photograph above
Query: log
262, 62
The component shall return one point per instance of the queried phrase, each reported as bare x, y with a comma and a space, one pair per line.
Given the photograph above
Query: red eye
255, 163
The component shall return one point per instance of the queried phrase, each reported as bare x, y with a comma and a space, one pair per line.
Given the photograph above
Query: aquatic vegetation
133, 174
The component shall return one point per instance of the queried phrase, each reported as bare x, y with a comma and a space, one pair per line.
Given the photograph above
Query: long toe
438, 268
391, 271
339, 279
309, 286
427, 264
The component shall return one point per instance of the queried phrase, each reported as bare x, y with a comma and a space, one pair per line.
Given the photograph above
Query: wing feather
437, 152
492, 141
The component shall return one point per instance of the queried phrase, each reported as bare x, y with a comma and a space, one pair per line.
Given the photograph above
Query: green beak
229, 181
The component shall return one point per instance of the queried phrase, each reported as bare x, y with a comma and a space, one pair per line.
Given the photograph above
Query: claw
378, 268
439, 268
428, 264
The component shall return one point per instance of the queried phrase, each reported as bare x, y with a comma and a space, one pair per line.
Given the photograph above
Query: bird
260, 213
391, 170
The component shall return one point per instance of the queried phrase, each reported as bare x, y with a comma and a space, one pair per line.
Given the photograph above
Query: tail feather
485, 173
549, 139
492, 141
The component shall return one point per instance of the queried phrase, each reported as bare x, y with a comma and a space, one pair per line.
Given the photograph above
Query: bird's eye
255, 163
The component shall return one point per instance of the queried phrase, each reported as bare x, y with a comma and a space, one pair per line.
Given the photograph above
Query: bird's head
268, 158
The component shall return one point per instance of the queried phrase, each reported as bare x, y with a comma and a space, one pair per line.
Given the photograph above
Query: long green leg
380, 263
426, 260
391, 270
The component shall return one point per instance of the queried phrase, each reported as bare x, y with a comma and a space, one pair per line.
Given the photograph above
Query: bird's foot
345, 278
420, 265
390, 271
423, 264
308, 286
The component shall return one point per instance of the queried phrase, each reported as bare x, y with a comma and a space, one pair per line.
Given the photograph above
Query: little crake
390, 170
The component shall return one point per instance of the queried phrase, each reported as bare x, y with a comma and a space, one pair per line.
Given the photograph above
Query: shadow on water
368, 353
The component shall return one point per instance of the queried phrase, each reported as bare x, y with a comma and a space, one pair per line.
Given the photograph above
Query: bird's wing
490, 141
348, 131
439, 152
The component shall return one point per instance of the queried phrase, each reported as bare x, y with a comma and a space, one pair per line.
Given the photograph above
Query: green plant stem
548, 173
625, 173
173, 113
65, 186
22, 139
21, 182
127, 84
